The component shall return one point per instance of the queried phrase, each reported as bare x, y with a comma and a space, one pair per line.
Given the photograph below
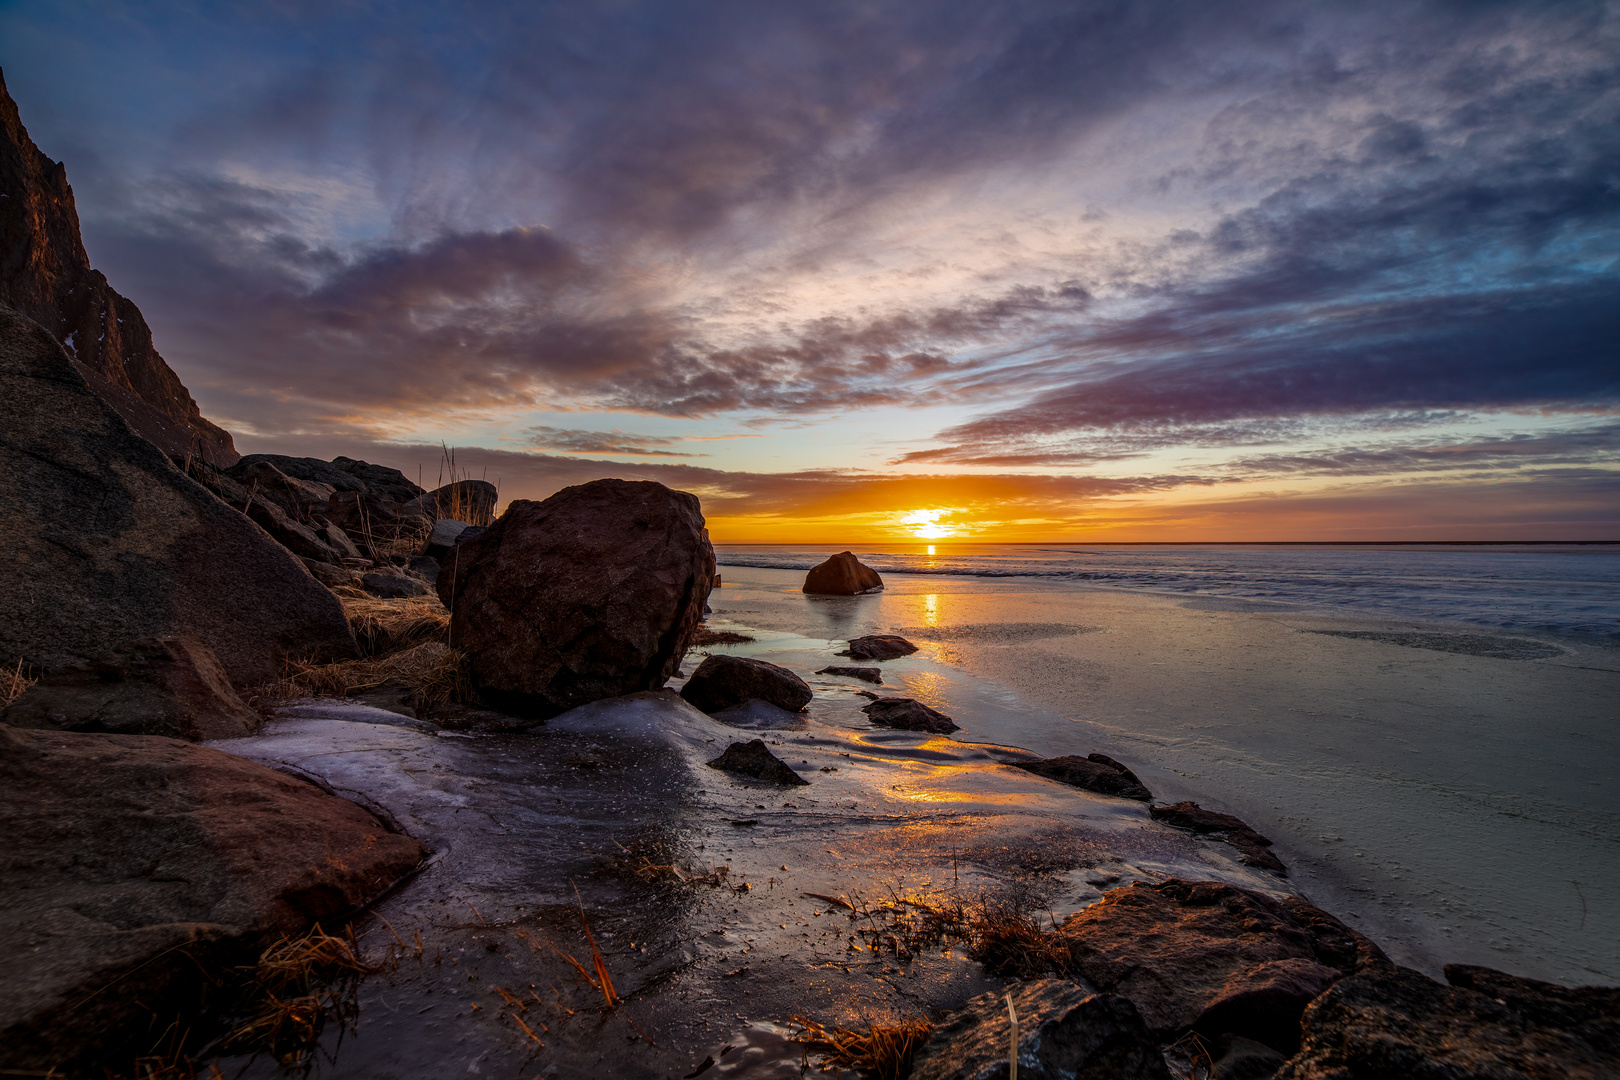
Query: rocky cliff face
46, 275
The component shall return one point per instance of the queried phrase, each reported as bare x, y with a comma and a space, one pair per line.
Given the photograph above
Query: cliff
46, 275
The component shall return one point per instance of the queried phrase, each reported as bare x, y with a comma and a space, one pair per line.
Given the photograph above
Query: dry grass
302, 983
703, 636
434, 673
1000, 932
454, 505
13, 681
653, 858
386, 626
882, 1051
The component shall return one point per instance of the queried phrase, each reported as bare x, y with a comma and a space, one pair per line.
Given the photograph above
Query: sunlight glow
925, 525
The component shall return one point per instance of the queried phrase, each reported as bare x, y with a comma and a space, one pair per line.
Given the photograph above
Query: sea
1563, 590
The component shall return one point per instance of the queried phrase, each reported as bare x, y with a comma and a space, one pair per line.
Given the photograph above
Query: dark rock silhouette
1398, 1022
149, 865
865, 674
842, 575
723, 681
1095, 772
1252, 847
593, 593
878, 647
112, 545
908, 715
46, 275
754, 759
1213, 957
1064, 1033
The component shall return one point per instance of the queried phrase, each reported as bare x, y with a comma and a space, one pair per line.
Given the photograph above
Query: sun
924, 524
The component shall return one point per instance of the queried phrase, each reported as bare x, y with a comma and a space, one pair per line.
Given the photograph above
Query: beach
1458, 808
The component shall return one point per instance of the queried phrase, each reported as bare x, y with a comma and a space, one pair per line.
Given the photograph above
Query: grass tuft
435, 674
882, 1051
386, 626
13, 681
301, 983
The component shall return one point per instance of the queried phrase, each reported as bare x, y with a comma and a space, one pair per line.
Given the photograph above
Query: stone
303, 469
472, 501
1393, 1021
110, 544
299, 497
1105, 776
46, 276
878, 647
1245, 1059
865, 674
842, 575
1184, 949
296, 537
754, 759
379, 480
446, 531
425, 568
394, 586
723, 681
1064, 1033
908, 715
172, 686
151, 866
1251, 845
593, 593
336, 539
329, 575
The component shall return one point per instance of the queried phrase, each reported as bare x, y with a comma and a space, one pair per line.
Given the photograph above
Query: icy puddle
775, 910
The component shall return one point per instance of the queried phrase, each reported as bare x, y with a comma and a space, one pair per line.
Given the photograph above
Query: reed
882, 1051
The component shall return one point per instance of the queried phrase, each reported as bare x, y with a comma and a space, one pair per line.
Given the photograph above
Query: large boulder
1064, 1033
1214, 958
110, 544
1095, 772
842, 575
723, 681
138, 868
1395, 1022
593, 593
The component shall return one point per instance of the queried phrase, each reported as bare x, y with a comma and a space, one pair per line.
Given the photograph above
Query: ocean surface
1568, 591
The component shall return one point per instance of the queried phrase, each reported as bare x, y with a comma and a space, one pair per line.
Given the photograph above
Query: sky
858, 272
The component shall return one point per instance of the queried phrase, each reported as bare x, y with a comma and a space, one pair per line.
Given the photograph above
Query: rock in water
1096, 773
46, 275
865, 674
173, 686
1395, 1022
878, 647
908, 715
723, 681
593, 593
1064, 1033
1252, 847
756, 760
145, 866
842, 575
111, 545
1214, 958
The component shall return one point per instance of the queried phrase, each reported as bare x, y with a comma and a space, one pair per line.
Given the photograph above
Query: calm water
1571, 591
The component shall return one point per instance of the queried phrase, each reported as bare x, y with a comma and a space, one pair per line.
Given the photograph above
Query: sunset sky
856, 271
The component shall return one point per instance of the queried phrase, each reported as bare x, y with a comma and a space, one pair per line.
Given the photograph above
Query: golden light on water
924, 525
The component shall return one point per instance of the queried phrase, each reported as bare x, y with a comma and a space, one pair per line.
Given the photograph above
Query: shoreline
1467, 848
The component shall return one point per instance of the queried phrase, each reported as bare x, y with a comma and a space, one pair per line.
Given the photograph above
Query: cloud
575, 441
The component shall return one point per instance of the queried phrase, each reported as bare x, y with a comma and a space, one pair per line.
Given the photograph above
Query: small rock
1064, 1033
878, 647
425, 568
1393, 1021
723, 681
755, 759
445, 535
1251, 845
1245, 1059
842, 575
865, 674
908, 715
1105, 777
329, 575
393, 586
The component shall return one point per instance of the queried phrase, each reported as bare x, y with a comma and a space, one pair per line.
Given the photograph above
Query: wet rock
878, 647
908, 715
1214, 957
593, 593
842, 575
1093, 773
173, 686
110, 544
1063, 1032
1245, 1059
148, 865
1250, 844
394, 586
1393, 1021
46, 276
754, 759
723, 681
865, 674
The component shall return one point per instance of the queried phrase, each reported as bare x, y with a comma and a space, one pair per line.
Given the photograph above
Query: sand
1448, 790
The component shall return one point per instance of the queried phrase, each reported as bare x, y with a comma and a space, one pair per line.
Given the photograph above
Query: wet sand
1448, 790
